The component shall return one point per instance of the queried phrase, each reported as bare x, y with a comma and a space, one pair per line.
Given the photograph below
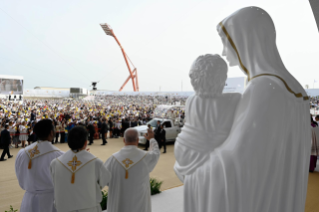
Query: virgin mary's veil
252, 34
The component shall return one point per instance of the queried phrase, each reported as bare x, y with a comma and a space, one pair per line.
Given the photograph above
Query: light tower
133, 74
94, 86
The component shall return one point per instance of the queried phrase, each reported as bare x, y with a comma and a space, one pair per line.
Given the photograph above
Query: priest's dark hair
43, 129
77, 137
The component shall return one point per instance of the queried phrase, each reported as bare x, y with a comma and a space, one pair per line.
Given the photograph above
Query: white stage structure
233, 85
46, 93
312, 92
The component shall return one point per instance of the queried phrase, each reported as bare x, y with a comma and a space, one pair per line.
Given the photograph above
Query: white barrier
232, 85
45, 93
142, 93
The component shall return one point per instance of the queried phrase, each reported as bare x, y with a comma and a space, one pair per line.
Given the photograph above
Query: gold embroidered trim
127, 162
234, 47
38, 155
298, 95
34, 151
42, 154
79, 168
74, 163
133, 164
127, 165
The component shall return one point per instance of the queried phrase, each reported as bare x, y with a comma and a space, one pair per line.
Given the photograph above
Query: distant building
312, 92
54, 92
52, 88
235, 85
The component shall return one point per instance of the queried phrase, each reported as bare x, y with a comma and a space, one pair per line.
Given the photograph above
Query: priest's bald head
131, 137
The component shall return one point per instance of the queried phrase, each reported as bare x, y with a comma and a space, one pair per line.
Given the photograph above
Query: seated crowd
117, 112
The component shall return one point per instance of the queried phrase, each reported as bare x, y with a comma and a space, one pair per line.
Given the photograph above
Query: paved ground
312, 201
12, 194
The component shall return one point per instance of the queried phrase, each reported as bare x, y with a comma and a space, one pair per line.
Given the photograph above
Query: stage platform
167, 201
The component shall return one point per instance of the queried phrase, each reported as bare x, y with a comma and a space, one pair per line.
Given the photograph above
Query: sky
61, 44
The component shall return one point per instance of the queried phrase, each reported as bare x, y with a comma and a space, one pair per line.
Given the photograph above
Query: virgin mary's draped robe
263, 164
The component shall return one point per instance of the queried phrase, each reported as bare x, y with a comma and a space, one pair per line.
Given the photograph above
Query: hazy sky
61, 44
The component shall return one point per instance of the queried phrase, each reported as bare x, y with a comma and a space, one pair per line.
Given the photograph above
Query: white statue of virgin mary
263, 164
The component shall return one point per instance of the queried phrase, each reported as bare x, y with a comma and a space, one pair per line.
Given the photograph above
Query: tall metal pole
126, 61
133, 74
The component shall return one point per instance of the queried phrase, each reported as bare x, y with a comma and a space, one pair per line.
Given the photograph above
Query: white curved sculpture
262, 163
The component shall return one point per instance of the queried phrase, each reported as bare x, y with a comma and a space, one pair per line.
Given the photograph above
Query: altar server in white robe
32, 168
78, 176
263, 163
129, 189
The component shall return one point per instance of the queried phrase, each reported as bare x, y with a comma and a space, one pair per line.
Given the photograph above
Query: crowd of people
314, 120
119, 113
36, 125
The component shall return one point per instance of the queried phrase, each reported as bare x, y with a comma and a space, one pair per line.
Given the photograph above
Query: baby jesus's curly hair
208, 75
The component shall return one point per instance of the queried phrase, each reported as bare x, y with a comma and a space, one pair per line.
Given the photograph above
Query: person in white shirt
32, 168
78, 176
23, 133
129, 188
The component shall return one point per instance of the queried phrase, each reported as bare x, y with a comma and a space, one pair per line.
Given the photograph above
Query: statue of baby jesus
209, 116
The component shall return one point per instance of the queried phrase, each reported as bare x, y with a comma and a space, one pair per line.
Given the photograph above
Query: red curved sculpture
133, 74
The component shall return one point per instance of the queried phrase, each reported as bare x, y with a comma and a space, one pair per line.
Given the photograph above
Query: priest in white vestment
129, 188
263, 164
32, 168
78, 176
